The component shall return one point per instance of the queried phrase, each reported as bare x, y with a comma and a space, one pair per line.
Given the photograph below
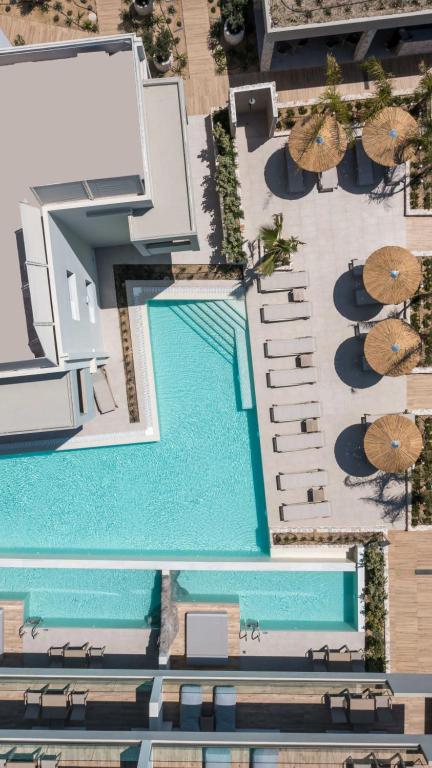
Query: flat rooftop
66, 119
291, 14
33, 403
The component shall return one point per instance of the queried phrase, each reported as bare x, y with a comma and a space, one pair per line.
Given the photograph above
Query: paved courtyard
335, 228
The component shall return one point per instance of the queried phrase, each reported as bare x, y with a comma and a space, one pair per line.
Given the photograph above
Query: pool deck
335, 227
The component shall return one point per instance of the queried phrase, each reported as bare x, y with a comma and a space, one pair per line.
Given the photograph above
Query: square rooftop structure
293, 35
85, 166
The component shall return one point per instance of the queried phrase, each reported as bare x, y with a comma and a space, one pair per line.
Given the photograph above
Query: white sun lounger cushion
292, 377
265, 757
286, 347
290, 512
279, 313
207, 637
300, 442
302, 479
296, 411
283, 280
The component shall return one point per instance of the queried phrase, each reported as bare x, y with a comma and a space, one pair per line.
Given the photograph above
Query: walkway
326, 223
109, 16
410, 598
196, 27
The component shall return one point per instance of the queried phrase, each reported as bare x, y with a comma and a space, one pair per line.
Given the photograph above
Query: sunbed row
361, 711
63, 654
54, 704
336, 660
223, 717
328, 180
35, 759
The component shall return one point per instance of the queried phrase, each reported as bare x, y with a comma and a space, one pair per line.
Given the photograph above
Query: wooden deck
419, 233
410, 598
109, 16
419, 391
13, 619
196, 27
178, 647
189, 757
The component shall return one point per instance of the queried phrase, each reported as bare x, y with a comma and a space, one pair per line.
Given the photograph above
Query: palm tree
382, 80
331, 102
277, 249
423, 92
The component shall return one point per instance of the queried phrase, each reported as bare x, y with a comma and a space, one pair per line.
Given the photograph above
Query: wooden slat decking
109, 16
410, 598
419, 233
178, 647
196, 27
13, 619
419, 391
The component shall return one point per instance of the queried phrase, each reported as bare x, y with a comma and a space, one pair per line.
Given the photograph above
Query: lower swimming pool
199, 491
308, 600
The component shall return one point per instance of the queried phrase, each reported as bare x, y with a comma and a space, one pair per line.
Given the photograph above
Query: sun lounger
32, 701
102, 392
357, 661
356, 268
216, 756
279, 313
49, 761
55, 704
77, 652
328, 180
339, 661
300, 442
287, 347
337, 706
292, 377
317, 477
284, 280
361, 711
207, 637
295, 176
318, 660
296, 412
265, 757
78, 702
363, 299
224, 705
383, 709
289, 512
190, 707
95, 655
365, 175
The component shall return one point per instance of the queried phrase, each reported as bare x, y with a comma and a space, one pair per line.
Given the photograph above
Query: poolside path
109, 16
410, 599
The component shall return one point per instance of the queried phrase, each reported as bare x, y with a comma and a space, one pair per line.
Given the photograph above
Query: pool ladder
34, 622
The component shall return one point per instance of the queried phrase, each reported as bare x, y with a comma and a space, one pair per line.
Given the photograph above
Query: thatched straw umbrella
385, 136
317, 142
393, 443
392, 274
392, 347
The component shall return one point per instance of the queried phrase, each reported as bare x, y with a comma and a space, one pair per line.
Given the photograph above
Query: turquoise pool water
85, 597
199, 491
278, 600
308, 600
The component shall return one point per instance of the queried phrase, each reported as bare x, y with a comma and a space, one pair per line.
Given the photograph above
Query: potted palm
162, 50
234, 22
277, 249
143, 7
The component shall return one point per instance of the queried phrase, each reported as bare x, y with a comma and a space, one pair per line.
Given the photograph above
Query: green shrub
375, 612
227, 188
302, 110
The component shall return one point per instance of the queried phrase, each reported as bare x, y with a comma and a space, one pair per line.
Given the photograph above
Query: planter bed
421, 313
421, 478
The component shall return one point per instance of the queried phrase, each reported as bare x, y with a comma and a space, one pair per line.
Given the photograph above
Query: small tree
382, 80
331, 101
277, 249
162, 46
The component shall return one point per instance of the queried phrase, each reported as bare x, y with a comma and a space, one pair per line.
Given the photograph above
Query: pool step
189, 317
245, 382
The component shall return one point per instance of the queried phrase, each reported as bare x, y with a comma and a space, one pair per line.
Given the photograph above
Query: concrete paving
287, 650
335, 228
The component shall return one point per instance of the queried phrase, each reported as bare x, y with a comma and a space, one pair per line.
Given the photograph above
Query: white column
266, 54
364, 44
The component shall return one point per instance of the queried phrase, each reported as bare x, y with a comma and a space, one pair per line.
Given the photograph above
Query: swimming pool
302, 600
199, 491
68, 597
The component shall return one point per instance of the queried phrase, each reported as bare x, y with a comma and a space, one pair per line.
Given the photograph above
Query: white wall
79, 338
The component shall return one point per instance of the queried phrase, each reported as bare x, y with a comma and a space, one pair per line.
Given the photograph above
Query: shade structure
392, 347
392, 274
393, 443
385, 136
317, 143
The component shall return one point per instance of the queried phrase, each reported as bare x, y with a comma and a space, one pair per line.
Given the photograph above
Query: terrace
313, 12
